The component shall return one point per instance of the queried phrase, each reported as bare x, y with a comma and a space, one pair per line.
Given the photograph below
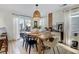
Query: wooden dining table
40, 37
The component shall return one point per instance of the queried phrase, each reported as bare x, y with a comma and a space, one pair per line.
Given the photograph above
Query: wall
1, 19
6, 20
66, 26
11, 23
62, 17
2, 26
58, 16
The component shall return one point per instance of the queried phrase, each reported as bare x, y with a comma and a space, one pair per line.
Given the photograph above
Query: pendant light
36, 14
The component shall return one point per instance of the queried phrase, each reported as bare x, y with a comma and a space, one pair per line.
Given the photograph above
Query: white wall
6, 20
11, 23
1, 19
2, 25
58, 16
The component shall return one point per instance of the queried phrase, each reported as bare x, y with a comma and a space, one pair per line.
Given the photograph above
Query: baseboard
13, 40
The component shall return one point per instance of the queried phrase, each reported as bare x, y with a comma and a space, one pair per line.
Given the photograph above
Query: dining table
40, 37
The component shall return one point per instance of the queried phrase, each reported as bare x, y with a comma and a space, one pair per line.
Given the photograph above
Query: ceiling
28, 9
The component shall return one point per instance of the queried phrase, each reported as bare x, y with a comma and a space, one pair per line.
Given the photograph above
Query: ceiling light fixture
36, 14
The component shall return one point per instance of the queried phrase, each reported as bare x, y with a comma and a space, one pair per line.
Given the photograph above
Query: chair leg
26, 46
36, 47
6, 52
6, 49
43, 51
58, 50
29, 48
23, 43
53, 50
6, 46
1, 42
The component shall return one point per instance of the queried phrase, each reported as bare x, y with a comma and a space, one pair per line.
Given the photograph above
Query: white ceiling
28, 9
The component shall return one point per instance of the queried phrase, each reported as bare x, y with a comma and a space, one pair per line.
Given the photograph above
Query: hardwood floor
15, 47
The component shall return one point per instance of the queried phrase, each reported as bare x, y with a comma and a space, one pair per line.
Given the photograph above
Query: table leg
40, 46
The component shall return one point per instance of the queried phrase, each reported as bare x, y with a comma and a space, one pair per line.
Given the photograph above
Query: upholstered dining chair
30, 42
52, 44
22, 35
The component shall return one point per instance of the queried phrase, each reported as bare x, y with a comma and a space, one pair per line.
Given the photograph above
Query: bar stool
52, 44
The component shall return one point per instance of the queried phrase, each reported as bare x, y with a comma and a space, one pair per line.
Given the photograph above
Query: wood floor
15, 47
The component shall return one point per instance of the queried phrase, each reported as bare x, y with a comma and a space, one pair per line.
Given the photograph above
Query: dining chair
22, 35
30, 41
3, 43
52, 44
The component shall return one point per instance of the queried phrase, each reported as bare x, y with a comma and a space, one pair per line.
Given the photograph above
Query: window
43, 23
74, 23
24, 22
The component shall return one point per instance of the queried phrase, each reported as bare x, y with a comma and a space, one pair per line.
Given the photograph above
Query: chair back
51, 44
28, 37
22, 35
54, 43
